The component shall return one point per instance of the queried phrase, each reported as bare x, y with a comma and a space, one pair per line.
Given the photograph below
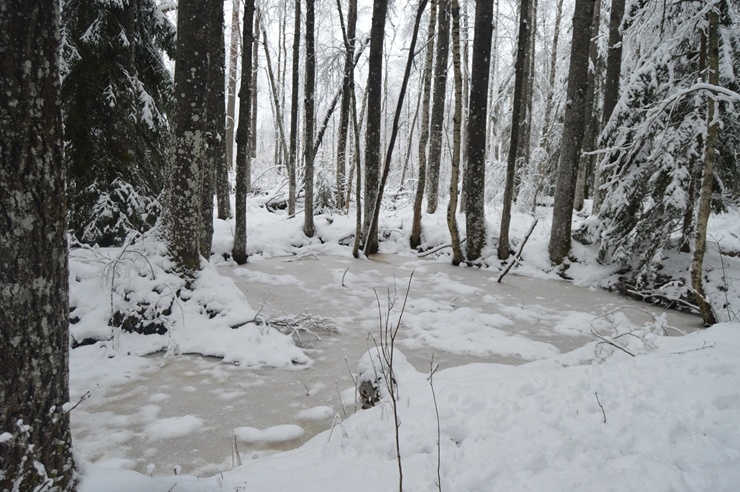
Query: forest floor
542, 384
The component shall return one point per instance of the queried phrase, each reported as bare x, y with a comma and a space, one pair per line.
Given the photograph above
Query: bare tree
705, 199
371, 243
518, 117
293, 158
475, 169
573, 123
457, 255
233, 70
374, 110
255, 96
36, 448
243, 168
308, 91
438, 105
348, 83
415, 239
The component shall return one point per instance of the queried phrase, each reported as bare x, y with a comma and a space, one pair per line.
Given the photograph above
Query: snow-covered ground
558, 408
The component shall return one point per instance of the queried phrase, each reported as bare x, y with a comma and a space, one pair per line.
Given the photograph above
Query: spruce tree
116, 94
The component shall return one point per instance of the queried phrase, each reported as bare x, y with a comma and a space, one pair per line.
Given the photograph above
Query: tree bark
475, 170
184, 217
573, 122
215, 167
707, 185
255, 97
348, 83
243, 138
374, 110
415, 239
231, 96
457, 255
371, 244
34, 295
308, 91
294, 113
518, 115
438, 105
591, 122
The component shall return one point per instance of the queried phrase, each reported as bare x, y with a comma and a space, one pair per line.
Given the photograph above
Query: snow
552, 385
277, 433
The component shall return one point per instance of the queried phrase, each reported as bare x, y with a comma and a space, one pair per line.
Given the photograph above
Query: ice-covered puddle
190, 413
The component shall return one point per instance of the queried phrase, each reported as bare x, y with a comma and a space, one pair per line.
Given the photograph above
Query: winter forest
462, 245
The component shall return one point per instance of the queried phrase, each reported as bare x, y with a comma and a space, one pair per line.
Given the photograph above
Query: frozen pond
187, 413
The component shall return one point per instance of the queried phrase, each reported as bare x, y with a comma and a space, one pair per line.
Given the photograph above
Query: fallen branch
439, 248
518, 254
611, 342
601, 406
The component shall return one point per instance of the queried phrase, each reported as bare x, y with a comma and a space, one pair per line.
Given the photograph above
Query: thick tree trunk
457, 255
231, 96
573, 124
308, 91
294, 113
438, 105
415, 239
36, 452
374, 106
707, 185
243, 137
591, 121
184, 218
518, 115
348, 83
611, 86
475, 170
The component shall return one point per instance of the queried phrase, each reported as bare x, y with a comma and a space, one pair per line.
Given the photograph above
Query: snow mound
278, 433
170, 428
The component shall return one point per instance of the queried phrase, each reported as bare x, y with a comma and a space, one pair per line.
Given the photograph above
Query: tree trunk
216, 167
231, 97
243, 168
611, 86
34, 295
475, 170
457, 255
438, 105
549, 107
591, 122
348, 83
184, 218
255, 70
294, 114
308, 91
415, 239
374, 106
573, 123
277, 105
371, 244
518, 115
707, 185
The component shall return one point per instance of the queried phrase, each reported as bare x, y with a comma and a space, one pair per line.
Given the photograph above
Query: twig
705, 346
600, 405
611, 342
432, 369
341, 402
82, 398
344, 275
